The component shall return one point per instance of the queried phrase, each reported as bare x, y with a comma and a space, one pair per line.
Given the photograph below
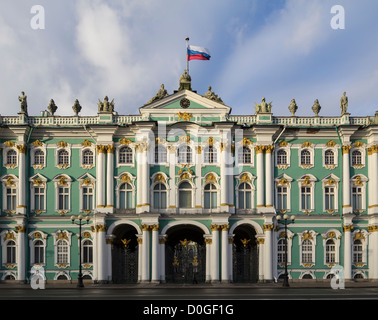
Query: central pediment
185, 105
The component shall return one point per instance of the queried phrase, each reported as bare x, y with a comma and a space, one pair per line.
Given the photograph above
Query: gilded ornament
86, 234
195, 262
101, 228
245, 242
348, 228
21, 148
62, 181
358, 144
101, 149
185, 242
125, 141
246, 141
175, 262
9, 144
160, 178
358, 181
86, 143
210, 178
184, 116
62, 235
9, 182
245, 178
283, 143
37, 143
62, 144
330, 143
359, 236
307, 144
125, 242
306, 181
346, 148
260, 149
268, 227
307, 235
125, 178
110, 148
331, 235
268, 149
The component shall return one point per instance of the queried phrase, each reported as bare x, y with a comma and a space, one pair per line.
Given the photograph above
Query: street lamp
285, 221
80, 223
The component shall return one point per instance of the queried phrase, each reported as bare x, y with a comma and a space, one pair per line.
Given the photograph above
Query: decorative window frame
33, 237
156, 178
335, 235
35, 146
62, 235
87, 180
9, 180
211, 142
358, 146
9, 145
361, 234
330, 145
307, 180
359, 180
86, 235
37, 180
310, 235
188, 177
211, 178
125, 142
245, 142
285, 146
309, 147
329, 181
125, 177
290, 236
62, 180
62, 145
283, 180
6, 236
152, 154
87, 145
248, 178
192, 154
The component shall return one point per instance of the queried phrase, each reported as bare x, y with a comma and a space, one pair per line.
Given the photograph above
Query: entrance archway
185, 255
125, 254
245, 255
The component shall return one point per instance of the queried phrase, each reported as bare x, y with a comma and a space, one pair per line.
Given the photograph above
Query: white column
140, 256
346, 183
268, 256
260, 176
268, 177
100, 172
162, 241
110, 178
198, 199
102, 255
230, 256
347, 252
224, 257
215, 253
373, 178
155, 274
139, 179
172, 180
260, 242
109, 245
21, 257
208, 242
224, 180
146, 254
21, 206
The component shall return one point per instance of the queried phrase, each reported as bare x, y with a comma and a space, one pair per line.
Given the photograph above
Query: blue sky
281, 49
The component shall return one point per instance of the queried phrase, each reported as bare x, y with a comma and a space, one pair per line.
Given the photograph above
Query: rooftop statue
293, 107
76, 107
212, 96
316, 107
24, 104
263, 107
52, 107
162, 93
185, 81
344, 104
105, 106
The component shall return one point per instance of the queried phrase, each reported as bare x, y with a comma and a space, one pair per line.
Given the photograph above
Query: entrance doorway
245, 255
125, 254
185, 255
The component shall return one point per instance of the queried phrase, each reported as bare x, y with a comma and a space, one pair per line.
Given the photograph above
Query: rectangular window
282, 198
39, 198
306, 198
87, 198
329, 193
357, 198
11, 199
63, 201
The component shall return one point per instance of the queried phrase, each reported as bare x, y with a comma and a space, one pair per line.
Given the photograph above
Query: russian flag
197, 53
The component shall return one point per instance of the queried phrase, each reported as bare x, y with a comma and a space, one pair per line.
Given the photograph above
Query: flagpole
187, 60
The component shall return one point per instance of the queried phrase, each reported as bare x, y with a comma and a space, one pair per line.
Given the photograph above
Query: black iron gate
125, 263
245, 261
186, 262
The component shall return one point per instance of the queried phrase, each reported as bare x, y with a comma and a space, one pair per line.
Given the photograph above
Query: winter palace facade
186, 192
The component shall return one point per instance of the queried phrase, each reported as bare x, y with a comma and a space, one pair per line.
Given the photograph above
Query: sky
125, 49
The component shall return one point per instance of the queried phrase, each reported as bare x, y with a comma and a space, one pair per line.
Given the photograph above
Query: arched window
356, 158
329, 157
12, 157
245, 155
330, 251
307, 251
357, 251
245, 196
125, 155
87, 251
87, 157
63, 157
160, 196
39, 157
305, 157
185, 195
184, 154
39, 252
281, 251
160, 154
210, 154
11, 252
62, 251
281, 157
126, 196
210, 196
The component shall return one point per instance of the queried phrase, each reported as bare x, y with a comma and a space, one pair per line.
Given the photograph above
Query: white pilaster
347, 208
102, 254
155, 263
215, 254
225, 253
110, 178
224, 180
162, 241
260, 242
21, 206
268, 177
260, 190
100, 172
208, 241
21, 253
347, 252
268, 252
146, 254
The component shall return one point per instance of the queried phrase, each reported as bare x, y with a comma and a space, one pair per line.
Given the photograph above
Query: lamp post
285, 221
80, 223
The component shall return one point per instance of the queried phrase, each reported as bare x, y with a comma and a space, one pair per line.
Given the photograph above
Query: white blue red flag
197, 53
